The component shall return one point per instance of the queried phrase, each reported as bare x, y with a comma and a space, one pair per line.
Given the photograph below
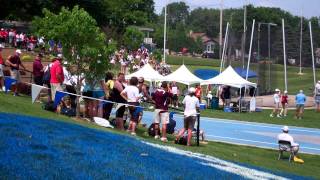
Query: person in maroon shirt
14, 62
161, 99
38, 70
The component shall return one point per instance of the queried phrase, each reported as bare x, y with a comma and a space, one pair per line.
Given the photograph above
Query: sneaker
16, 94
156, 137
133, 134
3, 88
177, 106
278, 116
298, 160
271, 115
163, 139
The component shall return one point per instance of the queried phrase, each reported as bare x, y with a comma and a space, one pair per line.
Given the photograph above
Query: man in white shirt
285, 136
191, 106
276, 99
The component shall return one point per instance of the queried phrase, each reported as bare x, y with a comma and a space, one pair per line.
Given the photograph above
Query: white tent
183, 75
148, 73
229, 77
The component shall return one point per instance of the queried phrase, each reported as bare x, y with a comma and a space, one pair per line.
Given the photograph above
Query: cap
192, 90
319, 82
1, 46
59, 56
277, 90
285, 128
301, 91
286, 92
18, 51
209, 92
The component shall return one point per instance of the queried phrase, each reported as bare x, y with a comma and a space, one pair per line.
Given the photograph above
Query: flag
8, 82
35, 91
58, 97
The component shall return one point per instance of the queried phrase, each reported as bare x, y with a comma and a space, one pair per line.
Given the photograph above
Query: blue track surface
248, 133
34, 148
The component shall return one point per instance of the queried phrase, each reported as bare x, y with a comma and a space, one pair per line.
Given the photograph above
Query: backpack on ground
152, 130
171, 126
49, 106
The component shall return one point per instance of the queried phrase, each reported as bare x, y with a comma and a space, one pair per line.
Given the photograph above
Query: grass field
264, 158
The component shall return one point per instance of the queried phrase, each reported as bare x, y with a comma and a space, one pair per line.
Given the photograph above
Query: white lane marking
219, 163
261, 142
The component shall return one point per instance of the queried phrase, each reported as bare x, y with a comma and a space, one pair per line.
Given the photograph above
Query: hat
286, 92
209, 92
18, 51
1, 46
192, 90
277, 90
59, 56
66, 97
285, 128
319, 82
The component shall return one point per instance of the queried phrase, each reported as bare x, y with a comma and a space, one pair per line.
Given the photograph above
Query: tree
84, 45
177, 12
133, 38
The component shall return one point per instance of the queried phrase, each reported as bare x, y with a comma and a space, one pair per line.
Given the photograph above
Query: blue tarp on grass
35, 148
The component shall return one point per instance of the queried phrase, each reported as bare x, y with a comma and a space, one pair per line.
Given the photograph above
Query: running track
252, 134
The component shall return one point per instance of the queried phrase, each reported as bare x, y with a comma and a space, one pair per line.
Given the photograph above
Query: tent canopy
148, 73
183, 75
243, 72
229, 77
206, 73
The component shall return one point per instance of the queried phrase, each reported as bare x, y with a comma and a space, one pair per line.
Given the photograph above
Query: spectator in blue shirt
300, 101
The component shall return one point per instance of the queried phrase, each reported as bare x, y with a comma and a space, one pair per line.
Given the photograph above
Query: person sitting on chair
285, 136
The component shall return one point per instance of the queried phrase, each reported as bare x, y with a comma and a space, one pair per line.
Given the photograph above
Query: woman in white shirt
132, 96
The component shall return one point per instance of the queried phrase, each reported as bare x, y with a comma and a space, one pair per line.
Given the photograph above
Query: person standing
120, 109
14, 62
198, 92
191, 106
175, 92
108, 91
38, 70
300, 101
284, 104
56, 77
2, 88
317, 96
161, 115
285, 136
276, 101
132, 96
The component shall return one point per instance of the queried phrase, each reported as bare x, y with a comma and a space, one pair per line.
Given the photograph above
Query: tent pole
224, 47
250, 49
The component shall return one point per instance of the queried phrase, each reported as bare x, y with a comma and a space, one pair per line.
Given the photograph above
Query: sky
308, 8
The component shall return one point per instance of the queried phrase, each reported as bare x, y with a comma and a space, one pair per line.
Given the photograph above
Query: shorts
300, 106
120, 110
15, 74
55, 87
189, 122
161, 116
98, 93
317, 99
1, 71
276, 105
133, 113
175, 97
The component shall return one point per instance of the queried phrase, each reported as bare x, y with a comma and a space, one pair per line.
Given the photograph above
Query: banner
35, 91
58, 97
8, 82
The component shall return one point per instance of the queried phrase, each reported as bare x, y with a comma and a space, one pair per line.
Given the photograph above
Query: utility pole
243, 47
221, 18
165, 32
301, 25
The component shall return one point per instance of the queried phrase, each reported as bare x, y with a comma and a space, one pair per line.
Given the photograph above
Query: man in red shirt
161, 98
14, 62
56, 76
38, 70
198, 92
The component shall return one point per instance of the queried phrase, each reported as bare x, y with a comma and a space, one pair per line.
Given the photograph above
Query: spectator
144, 94
2, 88
175, 92
3, 36
191, 106
14, 62
38, 70
317, 96
285, 136
108, 91
161, 115
284, 104
118, 88
131, 95
12, 35
209, 98
56, 76
198, 92
65, 107
300, 101
227, 96
276, 101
